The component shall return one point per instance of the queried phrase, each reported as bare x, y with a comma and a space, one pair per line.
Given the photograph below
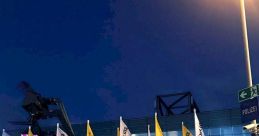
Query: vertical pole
246, 49
87, 126
255, 124
246, 44
148, 130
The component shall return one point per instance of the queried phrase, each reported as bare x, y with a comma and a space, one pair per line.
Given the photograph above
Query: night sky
106, 58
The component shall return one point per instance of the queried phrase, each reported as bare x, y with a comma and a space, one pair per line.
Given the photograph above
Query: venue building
214, 123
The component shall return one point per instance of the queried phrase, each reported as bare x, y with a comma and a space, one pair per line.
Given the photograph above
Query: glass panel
226, 131
173, 133
237, 130
223, 131
215, 131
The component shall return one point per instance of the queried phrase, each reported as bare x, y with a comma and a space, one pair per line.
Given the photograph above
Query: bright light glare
227, 8
228, 4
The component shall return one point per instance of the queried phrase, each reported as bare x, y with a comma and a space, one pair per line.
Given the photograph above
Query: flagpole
120, 126
88, 122
57, 129
182, 130
29, 128
148, 130
194, 112
87, 125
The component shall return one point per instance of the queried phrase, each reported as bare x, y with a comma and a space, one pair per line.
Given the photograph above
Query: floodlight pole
246, 49
246, 44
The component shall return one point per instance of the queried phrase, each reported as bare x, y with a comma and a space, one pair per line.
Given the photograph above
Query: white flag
148, 130
4, 133
198, 129
60, 132
124, 131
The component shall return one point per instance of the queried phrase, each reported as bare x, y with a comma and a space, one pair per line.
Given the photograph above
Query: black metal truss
180, 103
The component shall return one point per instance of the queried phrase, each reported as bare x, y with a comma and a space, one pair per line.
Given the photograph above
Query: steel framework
177, 103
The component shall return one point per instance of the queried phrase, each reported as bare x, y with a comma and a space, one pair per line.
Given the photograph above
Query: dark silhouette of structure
177, 103
39, 108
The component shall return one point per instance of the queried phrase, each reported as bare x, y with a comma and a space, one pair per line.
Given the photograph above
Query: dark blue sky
107, 58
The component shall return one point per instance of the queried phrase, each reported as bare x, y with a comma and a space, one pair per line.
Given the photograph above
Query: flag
27, 135
89, 131
185, 131
158, 129
4, 133
60, 132
148, 130
118, 131
30, 132
197, 125
124, 131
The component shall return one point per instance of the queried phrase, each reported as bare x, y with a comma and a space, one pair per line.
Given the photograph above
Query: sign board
248, 93
249, 110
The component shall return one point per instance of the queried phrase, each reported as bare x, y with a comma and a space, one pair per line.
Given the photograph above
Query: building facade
214, 123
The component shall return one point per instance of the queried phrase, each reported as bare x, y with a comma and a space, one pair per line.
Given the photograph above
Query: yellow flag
89, 131
118, 131
30, 132
158, 129
185, 131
